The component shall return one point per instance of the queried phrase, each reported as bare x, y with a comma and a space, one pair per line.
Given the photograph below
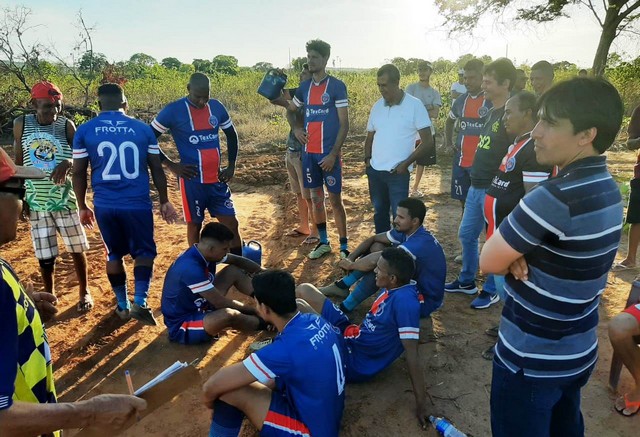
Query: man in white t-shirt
432, 101
458, 88
389, 150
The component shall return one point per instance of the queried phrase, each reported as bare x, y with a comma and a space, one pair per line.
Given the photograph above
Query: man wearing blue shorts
391, 326
195, 122
194, 302
408, 234
295, 385
326, 124
119, 148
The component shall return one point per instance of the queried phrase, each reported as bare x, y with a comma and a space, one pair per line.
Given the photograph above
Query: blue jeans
534, 407
386, 190
471, 226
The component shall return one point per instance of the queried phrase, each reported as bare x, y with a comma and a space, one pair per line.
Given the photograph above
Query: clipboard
156, 396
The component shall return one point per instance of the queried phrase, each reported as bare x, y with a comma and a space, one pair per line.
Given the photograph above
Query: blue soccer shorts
282, 418
191, 330
315, 176
198, 197
460, 179
126, 232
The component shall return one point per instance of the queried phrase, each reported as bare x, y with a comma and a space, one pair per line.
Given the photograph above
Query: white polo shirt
395, 130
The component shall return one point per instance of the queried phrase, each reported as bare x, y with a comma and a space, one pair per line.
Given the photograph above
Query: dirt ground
92, 351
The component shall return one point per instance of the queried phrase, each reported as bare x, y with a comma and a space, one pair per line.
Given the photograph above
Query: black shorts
428, 157
633, 208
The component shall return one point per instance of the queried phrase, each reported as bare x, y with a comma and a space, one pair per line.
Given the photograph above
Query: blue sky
362, 33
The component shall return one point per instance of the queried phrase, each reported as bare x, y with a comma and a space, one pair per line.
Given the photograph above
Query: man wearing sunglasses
27, 389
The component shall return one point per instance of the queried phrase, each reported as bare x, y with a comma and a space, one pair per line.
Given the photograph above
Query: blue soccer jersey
306, 363
321, 102
470, 113
117, 146
196, 133
188, 276
376, 343
431, 266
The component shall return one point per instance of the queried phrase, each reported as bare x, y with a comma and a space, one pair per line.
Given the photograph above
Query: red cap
9, 170
46, 90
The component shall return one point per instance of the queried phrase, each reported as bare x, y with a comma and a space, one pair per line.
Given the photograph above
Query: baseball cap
46, 90
9, 170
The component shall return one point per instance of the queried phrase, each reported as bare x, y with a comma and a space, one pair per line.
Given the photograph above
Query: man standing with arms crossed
497, 81
389, 149
326, 124
28, 403
556, 249
195, 121
432, 101
43, 140
119, 148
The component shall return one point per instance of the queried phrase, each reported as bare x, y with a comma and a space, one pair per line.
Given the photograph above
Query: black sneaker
143, 315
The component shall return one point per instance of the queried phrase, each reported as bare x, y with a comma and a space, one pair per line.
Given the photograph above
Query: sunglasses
20, 192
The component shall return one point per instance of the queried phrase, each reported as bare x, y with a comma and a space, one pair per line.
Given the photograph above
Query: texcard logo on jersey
193, 139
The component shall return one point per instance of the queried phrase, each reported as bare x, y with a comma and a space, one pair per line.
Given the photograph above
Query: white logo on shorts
193, 139
228, 204
331, 181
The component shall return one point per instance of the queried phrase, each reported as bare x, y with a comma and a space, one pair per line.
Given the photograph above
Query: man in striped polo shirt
556, 249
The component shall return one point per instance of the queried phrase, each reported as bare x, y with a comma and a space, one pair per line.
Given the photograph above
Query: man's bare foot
628, 404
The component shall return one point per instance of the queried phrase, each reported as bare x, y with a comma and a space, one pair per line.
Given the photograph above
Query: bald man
195, 121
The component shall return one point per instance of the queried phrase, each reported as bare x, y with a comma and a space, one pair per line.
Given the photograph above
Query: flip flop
627, 404
619, 267
86, 304
295, 233
311, 240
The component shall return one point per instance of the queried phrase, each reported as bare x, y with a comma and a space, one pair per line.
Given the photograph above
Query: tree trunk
609, 28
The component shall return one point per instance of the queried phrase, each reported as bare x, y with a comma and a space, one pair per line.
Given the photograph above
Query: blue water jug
272, 84
253, 251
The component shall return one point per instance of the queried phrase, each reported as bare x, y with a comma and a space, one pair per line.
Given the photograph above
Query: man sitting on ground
301, 373
194, 302
409, 234
624, 329
391, 326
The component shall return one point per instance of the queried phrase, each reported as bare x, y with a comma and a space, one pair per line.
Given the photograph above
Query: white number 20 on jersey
121, 154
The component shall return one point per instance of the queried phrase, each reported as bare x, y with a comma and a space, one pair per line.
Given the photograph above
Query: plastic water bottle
446, 428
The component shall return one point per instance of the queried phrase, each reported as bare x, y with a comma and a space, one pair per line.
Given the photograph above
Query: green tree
225, 64
202, 65
297, 63
143, 60
263, 66
613, 16
91, 62
171, 63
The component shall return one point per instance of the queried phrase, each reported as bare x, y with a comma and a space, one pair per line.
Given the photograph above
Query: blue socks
343, 243
226, 420
350, 279
142, 275
365, 288
118, 282
322, 232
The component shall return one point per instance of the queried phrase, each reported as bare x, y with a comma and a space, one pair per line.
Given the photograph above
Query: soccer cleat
143, 315
333, 290
458, 287
485, 300
344, 253
257, 345
320, 250
458, 259
123, 314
